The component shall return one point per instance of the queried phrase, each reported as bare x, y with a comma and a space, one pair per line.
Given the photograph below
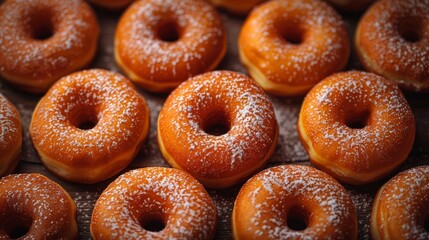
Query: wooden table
288, 151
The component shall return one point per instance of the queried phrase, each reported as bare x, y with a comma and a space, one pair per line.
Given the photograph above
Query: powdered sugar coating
262, 206
106, 98
323, 48
385, 50
30, 62
10, 136
186, 208
52, 211
10, 128
202, 39
250, 116
384, 141
400, 208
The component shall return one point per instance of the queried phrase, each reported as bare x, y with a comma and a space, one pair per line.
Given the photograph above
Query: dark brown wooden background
288, 151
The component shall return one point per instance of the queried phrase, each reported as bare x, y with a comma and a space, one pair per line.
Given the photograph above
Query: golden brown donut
218, 99
34, 207
400, 209
134, 203
89, 125
392, 39
10, 136
111, 4
289, 46
356, 126
240, 7
44, 40
161, 43
293, 202
353, 6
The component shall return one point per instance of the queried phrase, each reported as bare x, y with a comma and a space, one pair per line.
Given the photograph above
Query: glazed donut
240, 7
351, 5
161, 43
44, 40
34, 207
111, 4
10, 136
154, 203
392, 39
289, 46
356, 126
89, 126
224, 99
400, 208
293, 202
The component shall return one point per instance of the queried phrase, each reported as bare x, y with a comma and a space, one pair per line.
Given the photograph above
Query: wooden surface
288, 151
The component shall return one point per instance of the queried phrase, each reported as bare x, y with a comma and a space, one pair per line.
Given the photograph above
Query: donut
239, 7
352, 6
356, 126
44, 40
89, 126
111, 4
392, 40
161, 43
289, 46
219, 126
154, 203
293, 202
400, 209
34, 207
10, 136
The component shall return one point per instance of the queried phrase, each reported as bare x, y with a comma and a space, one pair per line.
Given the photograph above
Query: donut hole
152, 222
410, 30
87, 125
216, 124
293, 37
297, 218
169, 32
85, 119
41, 25
358, 120
426, 224
17, 226
291, 33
